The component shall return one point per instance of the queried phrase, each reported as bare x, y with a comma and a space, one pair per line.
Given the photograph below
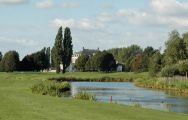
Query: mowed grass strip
18, 103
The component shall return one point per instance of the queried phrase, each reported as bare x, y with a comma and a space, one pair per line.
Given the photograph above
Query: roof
87, 51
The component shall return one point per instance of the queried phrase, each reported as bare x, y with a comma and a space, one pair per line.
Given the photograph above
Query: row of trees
61, 53
134, 57
35, 62
62, 50
172, 62
101, 61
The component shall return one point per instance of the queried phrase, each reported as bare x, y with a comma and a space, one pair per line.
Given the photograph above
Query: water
129, 94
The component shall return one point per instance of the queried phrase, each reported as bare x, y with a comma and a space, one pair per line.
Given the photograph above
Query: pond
129, 94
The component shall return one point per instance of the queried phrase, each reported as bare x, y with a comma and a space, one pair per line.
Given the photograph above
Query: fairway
18, 103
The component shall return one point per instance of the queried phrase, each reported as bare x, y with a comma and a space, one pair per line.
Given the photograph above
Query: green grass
18, 103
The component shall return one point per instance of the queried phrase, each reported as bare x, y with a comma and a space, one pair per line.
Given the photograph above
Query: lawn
18, 103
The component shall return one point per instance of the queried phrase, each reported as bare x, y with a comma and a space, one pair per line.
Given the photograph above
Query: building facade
89, 52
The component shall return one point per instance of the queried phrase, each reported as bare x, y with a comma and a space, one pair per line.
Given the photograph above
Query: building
89, 52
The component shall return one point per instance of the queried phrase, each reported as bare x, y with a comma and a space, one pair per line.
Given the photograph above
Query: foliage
51, 88
185, 39
180, 68
155, 63
85, 96
37, 61
169, 71
101, 61
126, 55
67, 49
57, 50
175, 49
136, 63
81, 62
1, 56
10, 62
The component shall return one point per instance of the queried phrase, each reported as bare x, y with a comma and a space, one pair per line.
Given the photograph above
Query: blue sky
28, 25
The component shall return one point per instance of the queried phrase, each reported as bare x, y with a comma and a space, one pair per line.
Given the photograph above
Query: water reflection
128, 93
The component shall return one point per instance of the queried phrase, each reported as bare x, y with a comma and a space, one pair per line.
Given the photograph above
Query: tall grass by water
85, 96
51, 88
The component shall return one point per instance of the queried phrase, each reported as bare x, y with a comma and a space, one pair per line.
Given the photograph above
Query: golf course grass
17, 102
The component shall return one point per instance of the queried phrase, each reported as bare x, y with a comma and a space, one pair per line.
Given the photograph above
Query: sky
28, 25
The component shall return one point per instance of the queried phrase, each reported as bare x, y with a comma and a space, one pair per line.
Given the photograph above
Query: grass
51, 88
18, 103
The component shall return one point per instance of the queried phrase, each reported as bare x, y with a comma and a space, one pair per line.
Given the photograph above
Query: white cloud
82, 24
105, 17
12, 2
70, 5
169, 7
45, 4
161, 13
20, 41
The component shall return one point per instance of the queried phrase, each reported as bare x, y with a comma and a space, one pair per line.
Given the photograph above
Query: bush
169, 71
51, 88
85, 96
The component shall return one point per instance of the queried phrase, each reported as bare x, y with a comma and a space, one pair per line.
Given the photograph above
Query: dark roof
87, 51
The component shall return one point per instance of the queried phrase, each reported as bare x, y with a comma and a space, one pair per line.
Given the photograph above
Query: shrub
85, 96
51, 88
169, 71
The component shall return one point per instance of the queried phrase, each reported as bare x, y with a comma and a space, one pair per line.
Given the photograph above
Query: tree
1, 56
185, 38
175, 49
147, 53
81, 62
155, 63
67, 49
108, 62
136, 63
37, 61
10, 61
57, 50
47, 62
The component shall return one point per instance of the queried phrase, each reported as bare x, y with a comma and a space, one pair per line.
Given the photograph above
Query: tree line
34, 62
44, 59
173, 61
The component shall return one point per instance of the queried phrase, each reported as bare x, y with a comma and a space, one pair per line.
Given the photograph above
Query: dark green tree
57, 51
67, 49
108, 62
1, 56
185, 38
81, 62
47, 61
10, 61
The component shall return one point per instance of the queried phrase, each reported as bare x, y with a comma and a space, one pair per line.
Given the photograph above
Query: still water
129, 94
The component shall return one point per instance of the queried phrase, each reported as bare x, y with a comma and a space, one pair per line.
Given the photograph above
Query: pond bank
175, 87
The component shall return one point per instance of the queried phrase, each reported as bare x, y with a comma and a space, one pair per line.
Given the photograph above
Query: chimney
98, 48
83, 48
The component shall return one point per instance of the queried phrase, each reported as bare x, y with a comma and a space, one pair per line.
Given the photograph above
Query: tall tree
67, 49
57, 50
173, 51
